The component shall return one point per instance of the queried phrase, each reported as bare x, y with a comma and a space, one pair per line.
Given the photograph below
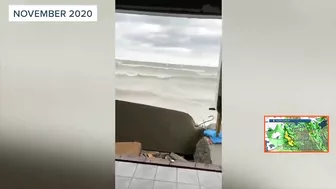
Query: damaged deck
171, 136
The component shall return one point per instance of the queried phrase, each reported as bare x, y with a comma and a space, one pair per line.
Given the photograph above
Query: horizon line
169, 63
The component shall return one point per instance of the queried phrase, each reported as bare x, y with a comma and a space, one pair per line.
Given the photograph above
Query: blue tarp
212, 135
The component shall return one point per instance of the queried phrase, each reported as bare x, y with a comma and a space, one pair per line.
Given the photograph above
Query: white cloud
168, 39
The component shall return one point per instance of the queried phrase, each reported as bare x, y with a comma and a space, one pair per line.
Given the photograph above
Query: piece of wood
177, 157
128, 148
150, 154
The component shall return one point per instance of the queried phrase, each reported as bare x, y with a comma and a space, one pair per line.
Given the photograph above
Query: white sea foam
191, 89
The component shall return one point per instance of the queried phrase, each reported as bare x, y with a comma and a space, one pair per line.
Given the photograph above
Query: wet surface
141, 176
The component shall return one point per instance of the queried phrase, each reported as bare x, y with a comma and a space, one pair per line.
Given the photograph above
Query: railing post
219, 96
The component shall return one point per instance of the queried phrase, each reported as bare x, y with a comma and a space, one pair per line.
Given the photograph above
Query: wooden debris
177, 157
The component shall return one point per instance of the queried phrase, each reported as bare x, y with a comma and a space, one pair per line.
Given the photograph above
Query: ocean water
191, 89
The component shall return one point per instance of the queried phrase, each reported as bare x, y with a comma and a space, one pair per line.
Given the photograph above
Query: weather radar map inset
296, 134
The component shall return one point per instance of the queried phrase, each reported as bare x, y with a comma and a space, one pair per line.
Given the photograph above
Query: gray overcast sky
168, 39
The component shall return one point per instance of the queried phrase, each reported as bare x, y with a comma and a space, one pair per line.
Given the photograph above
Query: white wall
57, 94
278, 58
